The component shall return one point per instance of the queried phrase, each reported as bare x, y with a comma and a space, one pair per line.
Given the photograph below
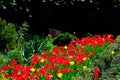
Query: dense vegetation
55, 52
94, 57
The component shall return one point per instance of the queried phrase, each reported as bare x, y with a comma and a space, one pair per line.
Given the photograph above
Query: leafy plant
8, 36
17, 55
37, 44
63, 38
108, 61
22, 33
27, 50
3, 59
64, 62
12, 36
89, 34
118, 38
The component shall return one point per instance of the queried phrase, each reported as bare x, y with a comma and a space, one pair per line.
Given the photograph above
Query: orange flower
49, 35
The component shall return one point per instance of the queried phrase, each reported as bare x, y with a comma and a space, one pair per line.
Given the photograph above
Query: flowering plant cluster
61, 63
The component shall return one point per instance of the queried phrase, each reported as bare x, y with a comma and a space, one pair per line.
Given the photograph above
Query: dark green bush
63, 38
8, 36
12, 36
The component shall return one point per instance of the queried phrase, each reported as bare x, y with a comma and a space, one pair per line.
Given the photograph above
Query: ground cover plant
88, 58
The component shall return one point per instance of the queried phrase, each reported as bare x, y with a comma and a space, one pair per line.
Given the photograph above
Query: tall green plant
37, 44
8, 36
12, 36
22, 34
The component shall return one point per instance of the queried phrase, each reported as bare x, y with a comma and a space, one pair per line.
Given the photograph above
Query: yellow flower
65, 47
59, 74
113, 52
42, 60
84, 67
33, 69
84, 59
71, 62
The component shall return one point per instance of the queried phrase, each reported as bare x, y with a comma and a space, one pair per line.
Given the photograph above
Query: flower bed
63, 62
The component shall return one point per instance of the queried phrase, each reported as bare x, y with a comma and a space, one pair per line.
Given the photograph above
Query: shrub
63, 38
12, 36
109, 62
3, 59
8, 36
17, 55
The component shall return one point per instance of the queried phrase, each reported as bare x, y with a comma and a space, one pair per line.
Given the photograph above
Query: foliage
36, 44
3, 59
17, 55
8, 36
12, 36
63, 38
118, 38
85, 75
109, 62
89, 34
27, 50
81, 59
22, 34
64, 61
2, 77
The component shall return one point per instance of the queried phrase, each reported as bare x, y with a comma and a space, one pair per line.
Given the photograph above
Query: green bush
108, 63
8, 36
17, 55
12, 36
118, 38
3, 59
63, 38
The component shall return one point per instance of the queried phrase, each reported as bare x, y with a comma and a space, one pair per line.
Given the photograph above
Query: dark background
82, 17
101, 16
